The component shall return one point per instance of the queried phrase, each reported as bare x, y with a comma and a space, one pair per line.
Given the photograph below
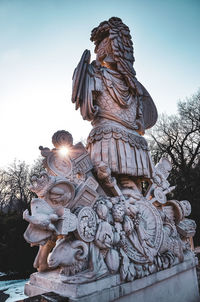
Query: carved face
105, 54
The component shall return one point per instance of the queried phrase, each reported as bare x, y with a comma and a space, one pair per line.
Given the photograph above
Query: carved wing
79, 78
150, 113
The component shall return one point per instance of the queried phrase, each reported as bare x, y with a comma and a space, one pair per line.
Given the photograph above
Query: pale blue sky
42, 42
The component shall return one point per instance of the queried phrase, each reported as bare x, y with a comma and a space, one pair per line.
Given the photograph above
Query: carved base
178, 284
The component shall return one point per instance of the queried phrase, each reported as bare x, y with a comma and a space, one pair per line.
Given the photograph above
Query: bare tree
14, 185
37, 167
178, 138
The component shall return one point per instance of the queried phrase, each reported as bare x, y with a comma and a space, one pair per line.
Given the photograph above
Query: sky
42, 42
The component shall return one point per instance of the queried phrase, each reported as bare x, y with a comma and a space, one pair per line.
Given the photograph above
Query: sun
63, 151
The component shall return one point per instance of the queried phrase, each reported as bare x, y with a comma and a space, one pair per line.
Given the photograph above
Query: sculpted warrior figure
91, 218
119, 107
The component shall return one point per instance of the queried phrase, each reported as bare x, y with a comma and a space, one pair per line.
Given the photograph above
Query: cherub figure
119, 107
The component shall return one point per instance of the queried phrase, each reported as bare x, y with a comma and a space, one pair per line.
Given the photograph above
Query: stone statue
91, 219
119, 107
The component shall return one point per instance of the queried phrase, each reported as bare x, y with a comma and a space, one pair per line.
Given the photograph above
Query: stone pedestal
177, 284
48, 297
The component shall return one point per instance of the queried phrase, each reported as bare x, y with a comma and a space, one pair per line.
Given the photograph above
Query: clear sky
42, 41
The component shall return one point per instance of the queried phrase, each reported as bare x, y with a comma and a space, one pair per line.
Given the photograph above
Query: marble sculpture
103, 209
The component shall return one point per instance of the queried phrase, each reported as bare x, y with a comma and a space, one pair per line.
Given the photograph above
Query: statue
91, 219
119, 107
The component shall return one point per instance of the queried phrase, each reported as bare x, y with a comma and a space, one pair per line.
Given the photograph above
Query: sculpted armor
119, 107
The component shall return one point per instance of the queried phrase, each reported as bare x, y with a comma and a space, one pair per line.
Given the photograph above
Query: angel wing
150, 114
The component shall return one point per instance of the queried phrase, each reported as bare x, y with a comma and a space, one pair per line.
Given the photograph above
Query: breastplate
108, 106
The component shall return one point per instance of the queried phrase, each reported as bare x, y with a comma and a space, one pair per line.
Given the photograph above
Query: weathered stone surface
177, 284
102, 218
50, 281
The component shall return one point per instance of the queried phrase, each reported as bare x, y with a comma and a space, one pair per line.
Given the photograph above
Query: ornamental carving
87, 224
93, 216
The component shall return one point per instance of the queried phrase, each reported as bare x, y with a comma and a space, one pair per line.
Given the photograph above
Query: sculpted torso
114, 100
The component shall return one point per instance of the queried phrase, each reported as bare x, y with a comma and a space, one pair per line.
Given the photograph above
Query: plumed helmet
122, 47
